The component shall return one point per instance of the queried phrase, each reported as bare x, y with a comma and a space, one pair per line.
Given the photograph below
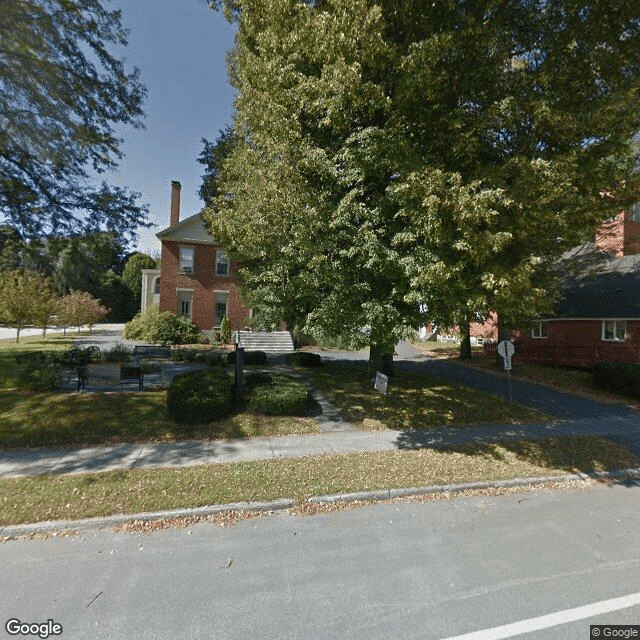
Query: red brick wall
579, 343
204, 283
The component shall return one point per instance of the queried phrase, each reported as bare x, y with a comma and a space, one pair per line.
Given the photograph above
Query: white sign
506, 349
507, 363
381, 383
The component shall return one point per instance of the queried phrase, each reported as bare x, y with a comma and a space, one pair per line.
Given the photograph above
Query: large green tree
212, 156
62, 92
397, 156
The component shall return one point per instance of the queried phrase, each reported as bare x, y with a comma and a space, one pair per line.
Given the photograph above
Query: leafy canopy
392, 157
61, 93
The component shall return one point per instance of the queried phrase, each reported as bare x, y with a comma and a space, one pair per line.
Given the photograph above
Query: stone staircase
267, 341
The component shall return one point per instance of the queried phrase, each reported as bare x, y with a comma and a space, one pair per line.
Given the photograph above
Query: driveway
574, 413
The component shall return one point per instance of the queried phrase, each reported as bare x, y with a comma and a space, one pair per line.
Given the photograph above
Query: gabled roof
190, 229
604, 287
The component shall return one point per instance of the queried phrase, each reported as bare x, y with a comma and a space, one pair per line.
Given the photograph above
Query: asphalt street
490, 566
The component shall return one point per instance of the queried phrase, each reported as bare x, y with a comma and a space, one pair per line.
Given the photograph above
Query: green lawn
414, 401
85, 495
36, 419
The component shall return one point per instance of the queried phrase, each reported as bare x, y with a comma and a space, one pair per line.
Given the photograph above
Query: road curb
390, 494
105, 522
86, 524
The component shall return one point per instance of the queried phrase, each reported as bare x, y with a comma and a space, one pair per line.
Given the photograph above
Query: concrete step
269, 342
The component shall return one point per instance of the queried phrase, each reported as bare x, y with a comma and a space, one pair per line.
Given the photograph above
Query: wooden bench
151, 351
129, 372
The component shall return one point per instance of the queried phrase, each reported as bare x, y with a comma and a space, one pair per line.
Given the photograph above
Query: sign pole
506, 350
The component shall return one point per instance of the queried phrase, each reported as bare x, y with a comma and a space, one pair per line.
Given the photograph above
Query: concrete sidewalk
574, 416
29, 462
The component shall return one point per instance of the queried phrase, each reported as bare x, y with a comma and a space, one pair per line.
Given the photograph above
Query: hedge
199, 396
284, 397
250, 357
304, 359
620, 377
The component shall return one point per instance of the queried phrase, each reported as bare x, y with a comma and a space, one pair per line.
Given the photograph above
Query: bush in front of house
210, 357
257, 379
162, 327
250, 357
620, 377
199, 396
304, 359
285, 396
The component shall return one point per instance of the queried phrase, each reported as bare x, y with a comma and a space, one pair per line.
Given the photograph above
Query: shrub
284, 397
250, 357
304, 359
162, 327
117, 353
225, 330
620, 377
199, 396
257, 379
212, 358
39, 374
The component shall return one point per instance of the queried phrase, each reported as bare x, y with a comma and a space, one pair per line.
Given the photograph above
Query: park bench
130, 372
151, 351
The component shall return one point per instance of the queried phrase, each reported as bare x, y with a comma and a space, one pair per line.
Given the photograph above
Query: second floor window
187, 259
222, 264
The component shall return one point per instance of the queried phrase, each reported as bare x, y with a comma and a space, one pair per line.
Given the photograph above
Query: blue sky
179, 47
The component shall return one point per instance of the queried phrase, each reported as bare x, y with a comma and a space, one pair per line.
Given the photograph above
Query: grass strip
53, 497
414, 401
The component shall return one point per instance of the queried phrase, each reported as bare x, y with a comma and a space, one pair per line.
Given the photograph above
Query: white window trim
222, 275
178, 292
215, 296
616, 324
193, 264
538, 327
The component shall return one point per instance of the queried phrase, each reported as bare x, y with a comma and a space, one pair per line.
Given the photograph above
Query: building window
220, 309
634, 212
614, 330
540, 329
222, 263
187, 259
185, 304
156, 286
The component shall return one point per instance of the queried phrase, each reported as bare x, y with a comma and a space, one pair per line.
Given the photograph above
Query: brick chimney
619, 236
175, 203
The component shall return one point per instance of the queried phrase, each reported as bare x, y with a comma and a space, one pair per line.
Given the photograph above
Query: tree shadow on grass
562, 454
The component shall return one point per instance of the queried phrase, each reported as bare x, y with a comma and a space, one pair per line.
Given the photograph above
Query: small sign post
381, 383
506, 350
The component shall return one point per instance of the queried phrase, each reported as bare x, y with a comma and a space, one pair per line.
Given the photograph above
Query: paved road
409, 571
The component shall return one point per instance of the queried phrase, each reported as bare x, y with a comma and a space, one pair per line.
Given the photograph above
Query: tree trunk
379, 360
465, 343
18, 333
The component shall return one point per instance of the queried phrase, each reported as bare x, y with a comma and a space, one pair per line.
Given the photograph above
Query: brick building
195, 280
598, 317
